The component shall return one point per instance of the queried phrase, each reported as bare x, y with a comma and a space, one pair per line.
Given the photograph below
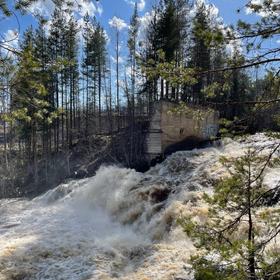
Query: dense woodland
66, 105
60, 90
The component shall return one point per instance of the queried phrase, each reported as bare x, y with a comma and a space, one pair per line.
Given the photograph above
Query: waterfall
117, 224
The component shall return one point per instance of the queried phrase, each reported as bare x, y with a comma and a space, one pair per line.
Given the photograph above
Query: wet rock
157, 207
159, 194
80, 174
271, 198
193, 187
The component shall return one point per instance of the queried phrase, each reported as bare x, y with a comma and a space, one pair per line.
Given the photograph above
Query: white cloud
118, 23
212, 11
82, 24
233, 47
80, 7
144, 22
42, 7
217, 22
11, 38
128, 71
141, 4
10, 41
121, 60
107, 37
263, 13
146, 19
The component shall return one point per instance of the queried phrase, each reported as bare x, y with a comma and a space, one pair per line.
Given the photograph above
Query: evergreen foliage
4, 8
237, 239
182, 56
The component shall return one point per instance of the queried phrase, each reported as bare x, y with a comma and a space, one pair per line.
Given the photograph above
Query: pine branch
245, 102
248, 65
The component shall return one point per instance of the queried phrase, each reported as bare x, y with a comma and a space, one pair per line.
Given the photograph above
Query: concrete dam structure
174, 124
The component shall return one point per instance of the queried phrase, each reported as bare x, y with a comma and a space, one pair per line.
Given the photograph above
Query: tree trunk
251, 249
118, 84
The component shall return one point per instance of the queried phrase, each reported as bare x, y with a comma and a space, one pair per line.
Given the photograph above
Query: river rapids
119, 224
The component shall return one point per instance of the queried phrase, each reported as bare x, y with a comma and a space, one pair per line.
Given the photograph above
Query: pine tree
233, 241
72, 77
57, 45
132, 47
28, 39
41, 53
99, 65
94, 67
29, 105
131, 84
4, 8
118, 24
150, 54
166, 34
6, 71
200, 58
87, 68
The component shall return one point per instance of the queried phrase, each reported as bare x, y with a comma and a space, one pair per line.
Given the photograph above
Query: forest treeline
60, 88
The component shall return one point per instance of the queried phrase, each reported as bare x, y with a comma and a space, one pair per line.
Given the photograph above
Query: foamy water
118, 224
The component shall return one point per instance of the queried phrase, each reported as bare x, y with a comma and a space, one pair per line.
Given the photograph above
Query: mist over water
117, 224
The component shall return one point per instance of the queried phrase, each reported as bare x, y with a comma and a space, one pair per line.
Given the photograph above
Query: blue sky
122, 9
107, 9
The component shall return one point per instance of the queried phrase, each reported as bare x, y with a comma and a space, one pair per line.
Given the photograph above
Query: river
119, 224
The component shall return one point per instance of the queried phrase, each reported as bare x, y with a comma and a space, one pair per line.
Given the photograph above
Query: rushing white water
118, 224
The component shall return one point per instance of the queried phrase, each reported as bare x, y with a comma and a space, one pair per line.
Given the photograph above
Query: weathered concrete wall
170, 125
154, 136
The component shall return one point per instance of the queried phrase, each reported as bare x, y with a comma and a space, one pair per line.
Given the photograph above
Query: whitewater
119, 224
